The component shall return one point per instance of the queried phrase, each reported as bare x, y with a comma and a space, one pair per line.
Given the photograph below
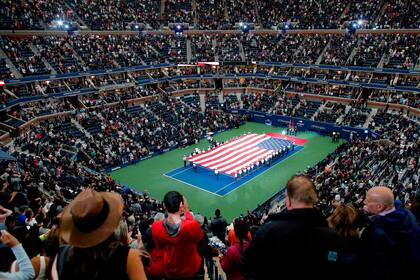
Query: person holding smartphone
4, 213
175, 255
26, 271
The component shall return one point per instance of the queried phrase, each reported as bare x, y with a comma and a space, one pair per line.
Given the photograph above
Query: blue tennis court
222, 184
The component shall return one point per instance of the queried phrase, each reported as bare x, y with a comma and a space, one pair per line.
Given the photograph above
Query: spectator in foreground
218, 226
4, 213
40, 265
415, 206
26, 270
204, 250
230, 261
175, 255
87, 225
232, 238
392, 238
345, 221
296, 242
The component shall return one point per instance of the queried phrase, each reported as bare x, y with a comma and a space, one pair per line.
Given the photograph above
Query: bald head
300, 192
378, 199
382, 194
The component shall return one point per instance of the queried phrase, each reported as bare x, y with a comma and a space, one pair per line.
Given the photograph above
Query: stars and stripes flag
238, 154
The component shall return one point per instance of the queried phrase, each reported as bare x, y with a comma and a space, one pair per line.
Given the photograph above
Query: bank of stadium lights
356, 24
245, 27
135, 26
64, 25
179, 29
284, 26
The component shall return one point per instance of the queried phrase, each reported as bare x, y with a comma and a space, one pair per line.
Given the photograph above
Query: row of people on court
263, 161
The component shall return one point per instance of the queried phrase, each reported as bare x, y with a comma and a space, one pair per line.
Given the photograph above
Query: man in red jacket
175, 255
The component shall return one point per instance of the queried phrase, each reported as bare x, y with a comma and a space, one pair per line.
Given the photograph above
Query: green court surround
148, 174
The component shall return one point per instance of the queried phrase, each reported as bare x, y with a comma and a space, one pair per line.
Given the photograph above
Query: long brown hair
241, 229
344, 220
86, 260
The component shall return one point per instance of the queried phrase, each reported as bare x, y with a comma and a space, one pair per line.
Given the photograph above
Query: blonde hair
344, 221
121, 232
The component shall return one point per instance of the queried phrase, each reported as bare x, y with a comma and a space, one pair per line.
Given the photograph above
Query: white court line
228, 186
255, 176
186, 169
192, 185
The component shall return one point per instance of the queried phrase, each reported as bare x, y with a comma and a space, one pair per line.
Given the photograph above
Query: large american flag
240, 153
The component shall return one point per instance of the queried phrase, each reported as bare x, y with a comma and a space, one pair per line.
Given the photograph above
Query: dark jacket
393, 245
295, 243
415, 208
351, 258
218, 227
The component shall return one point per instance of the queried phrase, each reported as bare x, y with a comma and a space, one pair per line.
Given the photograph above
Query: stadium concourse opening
224, 168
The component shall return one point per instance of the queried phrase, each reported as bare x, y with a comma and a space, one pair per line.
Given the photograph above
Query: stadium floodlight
283, 27
60, 22
245, 28
135, 26
352, 27
179, 29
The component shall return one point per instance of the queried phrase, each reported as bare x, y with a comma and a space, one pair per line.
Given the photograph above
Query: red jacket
230, 261
176, 256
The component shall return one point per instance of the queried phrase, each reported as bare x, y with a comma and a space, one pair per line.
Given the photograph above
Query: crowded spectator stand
78, 103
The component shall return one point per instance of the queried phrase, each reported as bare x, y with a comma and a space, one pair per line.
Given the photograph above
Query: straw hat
90, 218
